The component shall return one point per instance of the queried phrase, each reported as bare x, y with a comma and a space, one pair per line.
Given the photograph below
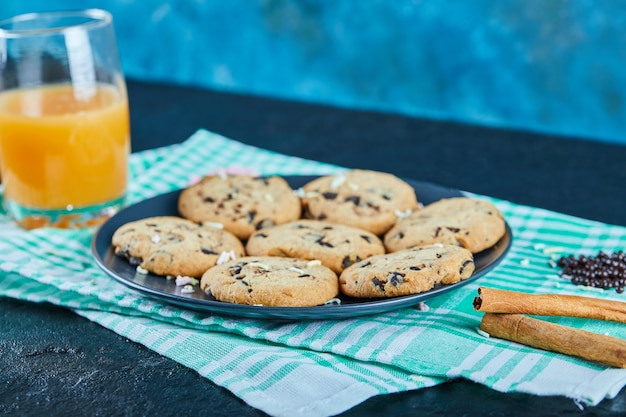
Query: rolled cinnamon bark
502, 301
556, 338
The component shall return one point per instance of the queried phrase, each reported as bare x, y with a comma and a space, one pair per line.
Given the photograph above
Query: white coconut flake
141, 270
217, 225
438, 245
156, 239
592, 289
403, 214
315, 262
422, 306
482, 332
554, 277
187, 289
260, 265
296, 270
337, 181
182, 280
333, 302
225, 257
269, 197
299, 192
553, 249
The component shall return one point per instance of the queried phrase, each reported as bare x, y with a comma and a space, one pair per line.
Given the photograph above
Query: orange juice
60, 150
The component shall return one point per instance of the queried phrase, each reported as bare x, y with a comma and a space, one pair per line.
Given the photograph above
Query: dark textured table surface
53, 362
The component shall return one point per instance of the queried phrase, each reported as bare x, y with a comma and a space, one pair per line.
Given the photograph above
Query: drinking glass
64, 120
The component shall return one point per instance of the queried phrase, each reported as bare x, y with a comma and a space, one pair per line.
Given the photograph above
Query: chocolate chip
378, 284
251, 216
346, 262
265, 223
304, 276
465, 265
453, 229
209, 200
414, 268
364, 264
372, 206
321, 242
329, 195
367, 238
437, 231
208, 251
354, 199
396, 278
263, 235
321, 217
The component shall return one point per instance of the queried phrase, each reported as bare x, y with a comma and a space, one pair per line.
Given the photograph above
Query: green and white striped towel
343, 362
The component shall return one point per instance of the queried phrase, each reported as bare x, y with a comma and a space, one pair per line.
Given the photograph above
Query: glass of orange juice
64, 119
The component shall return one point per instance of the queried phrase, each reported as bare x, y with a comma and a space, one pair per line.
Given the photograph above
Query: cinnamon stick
556, 338
502, 301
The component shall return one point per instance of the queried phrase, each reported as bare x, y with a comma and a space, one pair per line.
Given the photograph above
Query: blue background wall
554, 66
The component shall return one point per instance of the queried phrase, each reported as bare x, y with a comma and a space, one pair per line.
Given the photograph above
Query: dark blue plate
166, 291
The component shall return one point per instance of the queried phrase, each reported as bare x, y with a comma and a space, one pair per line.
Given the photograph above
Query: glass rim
97, 18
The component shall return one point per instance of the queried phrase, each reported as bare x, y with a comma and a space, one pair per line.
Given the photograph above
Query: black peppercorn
600, 271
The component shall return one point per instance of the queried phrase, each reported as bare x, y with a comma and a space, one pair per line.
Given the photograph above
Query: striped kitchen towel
342, 361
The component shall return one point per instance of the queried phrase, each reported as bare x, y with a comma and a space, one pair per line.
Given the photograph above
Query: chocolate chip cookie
471, 223
271, 281
369, 200
241, 203
169, 245
337, 246
411, 271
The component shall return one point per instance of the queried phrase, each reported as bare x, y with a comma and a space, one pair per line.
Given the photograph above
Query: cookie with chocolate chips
241, 203
169, 245
337, 246
467, 222
369, 200
411, 271
271, 281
